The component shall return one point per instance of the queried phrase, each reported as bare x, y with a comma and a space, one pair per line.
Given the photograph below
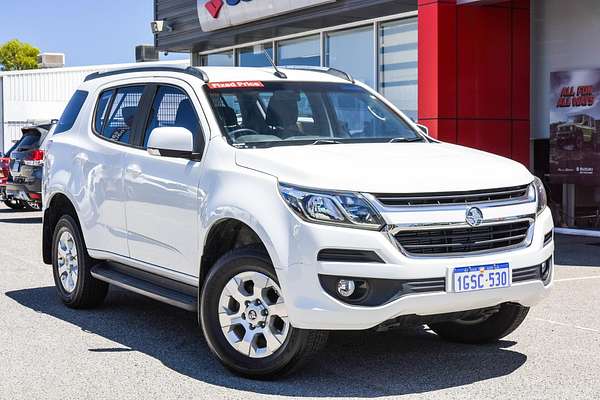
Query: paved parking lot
137, 348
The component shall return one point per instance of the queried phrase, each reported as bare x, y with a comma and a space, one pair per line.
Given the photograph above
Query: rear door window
71, 112
118, 122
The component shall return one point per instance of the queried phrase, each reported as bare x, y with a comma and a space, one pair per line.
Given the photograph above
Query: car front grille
459, 240
516, 193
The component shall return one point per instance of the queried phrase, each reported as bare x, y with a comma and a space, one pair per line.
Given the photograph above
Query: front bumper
310, 307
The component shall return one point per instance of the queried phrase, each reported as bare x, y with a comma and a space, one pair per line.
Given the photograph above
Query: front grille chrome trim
396, 228
526, 239
503, 196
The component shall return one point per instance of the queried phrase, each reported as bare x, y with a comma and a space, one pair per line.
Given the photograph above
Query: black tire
494, 328
299, 346
14, 204
89, 292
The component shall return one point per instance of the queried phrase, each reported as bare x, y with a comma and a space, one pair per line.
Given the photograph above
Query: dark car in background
4, 178
23, 188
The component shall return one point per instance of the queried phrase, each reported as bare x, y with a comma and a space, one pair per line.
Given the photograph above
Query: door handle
133, 170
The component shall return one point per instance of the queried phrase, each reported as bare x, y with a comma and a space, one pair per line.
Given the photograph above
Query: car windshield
265, 114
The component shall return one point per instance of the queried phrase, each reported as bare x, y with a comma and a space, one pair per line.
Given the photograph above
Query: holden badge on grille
474, 216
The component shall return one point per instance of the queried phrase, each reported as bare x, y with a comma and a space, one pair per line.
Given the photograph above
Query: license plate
481, 277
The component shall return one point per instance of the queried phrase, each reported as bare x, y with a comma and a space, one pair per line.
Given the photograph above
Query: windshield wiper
326, 141
405, 140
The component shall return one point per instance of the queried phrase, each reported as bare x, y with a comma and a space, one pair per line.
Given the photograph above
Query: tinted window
117, 126
101, 109
71, 112
172, 107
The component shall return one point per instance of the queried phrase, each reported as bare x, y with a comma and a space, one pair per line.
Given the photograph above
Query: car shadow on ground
354, 364
578, 251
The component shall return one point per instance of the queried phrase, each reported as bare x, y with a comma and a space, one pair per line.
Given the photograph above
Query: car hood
386, 167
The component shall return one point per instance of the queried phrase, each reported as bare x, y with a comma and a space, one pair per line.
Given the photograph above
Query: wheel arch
58, 204
229, 233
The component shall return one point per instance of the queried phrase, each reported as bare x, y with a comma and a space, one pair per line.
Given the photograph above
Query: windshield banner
575, 126
220, 14
235, 85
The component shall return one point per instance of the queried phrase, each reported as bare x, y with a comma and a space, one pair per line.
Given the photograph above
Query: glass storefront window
398, 64
343, 47
303, 51
254, 56
224, 59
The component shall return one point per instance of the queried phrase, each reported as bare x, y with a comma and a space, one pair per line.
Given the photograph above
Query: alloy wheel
68, 265
252, 314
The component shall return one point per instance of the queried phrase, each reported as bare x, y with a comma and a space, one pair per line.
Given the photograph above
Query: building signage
575, 126
219, 14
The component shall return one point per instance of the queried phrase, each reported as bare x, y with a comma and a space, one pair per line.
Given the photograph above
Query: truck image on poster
575, 126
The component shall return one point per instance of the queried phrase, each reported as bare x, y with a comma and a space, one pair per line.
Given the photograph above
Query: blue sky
88, 32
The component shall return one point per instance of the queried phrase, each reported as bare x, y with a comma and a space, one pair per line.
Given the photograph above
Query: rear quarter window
71, 112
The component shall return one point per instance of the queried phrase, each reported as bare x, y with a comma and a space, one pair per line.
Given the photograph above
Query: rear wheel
71, 266
485, 328
245, 322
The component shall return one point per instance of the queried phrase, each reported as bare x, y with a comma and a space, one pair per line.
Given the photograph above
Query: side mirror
423, 129
171, 142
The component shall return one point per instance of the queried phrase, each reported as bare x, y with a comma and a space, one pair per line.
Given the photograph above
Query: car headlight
338, 208
537, 192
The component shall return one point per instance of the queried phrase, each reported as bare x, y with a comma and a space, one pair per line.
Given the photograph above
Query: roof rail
326, 70
151, 68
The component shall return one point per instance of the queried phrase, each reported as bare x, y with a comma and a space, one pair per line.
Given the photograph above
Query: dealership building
517, 78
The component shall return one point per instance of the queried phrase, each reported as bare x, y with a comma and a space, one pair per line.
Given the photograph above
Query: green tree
16, 55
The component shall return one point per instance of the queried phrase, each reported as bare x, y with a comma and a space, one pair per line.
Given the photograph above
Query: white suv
280, 205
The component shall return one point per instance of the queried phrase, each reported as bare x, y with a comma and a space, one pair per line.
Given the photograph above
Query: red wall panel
488, 135
484, 62
521, 142
474, 74
437, 61
445, 128
520, 64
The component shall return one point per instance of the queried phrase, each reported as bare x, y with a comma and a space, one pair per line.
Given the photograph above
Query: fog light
545, 269
346, 287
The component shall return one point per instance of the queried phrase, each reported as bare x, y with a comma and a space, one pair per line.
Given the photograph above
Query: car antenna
277, 73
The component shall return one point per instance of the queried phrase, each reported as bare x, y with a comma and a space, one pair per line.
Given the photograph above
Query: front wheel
245, 322
485, 328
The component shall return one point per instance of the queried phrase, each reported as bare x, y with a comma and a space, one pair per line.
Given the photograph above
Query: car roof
295, 73
223, 74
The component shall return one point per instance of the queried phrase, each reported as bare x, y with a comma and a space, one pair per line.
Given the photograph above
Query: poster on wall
575, 126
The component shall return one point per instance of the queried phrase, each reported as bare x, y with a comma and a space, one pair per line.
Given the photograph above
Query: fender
224, 213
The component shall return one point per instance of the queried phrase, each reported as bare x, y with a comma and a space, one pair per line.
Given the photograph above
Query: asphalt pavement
136, 348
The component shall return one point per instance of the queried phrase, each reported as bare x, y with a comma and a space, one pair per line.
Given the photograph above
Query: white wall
40, 95
565, 35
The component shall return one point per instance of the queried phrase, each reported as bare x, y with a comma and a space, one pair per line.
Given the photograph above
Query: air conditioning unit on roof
51, 60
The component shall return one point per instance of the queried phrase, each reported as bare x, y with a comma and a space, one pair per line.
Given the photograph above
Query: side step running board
117, 276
